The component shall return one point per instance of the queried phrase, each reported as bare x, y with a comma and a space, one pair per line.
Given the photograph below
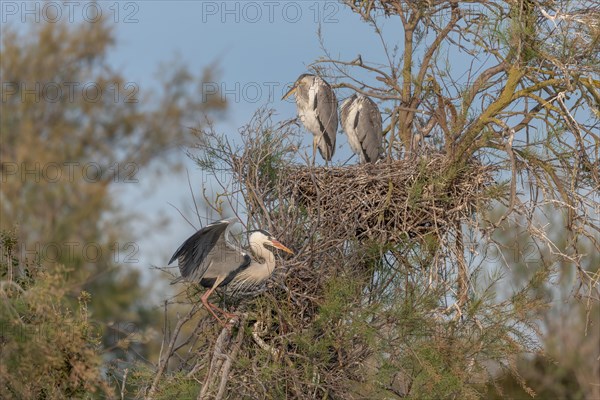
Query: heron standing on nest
210, 258
361, 120
318, 111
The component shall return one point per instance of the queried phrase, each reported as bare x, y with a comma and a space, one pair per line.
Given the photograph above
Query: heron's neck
266, 263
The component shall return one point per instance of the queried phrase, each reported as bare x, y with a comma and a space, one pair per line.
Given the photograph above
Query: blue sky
258, 45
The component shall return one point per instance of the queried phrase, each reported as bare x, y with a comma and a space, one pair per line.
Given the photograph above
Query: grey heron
210, 258
361, 120
318, 110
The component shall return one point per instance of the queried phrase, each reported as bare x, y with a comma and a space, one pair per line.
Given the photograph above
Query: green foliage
272, 161
50, 346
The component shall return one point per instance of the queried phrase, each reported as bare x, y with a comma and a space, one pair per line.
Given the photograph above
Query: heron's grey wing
369, 125
197, 252
227, 256
326, 107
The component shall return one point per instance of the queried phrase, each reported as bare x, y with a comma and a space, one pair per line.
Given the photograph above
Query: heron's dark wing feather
207, 247
326, 108
356, 119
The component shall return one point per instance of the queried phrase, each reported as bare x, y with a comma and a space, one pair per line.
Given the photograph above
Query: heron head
304, 79
265, 240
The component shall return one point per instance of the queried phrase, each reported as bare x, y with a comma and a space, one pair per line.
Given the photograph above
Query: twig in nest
258, 326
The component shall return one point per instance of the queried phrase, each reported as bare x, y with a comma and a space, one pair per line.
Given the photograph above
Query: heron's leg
207, 305
225, 313
211, 307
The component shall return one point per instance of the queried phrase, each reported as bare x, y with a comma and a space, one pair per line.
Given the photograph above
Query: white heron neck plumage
262, 268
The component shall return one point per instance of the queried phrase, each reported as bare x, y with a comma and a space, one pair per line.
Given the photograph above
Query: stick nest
389, 200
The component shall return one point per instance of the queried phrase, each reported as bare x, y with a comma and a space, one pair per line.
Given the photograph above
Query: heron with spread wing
318, 110
210, 258
361, 120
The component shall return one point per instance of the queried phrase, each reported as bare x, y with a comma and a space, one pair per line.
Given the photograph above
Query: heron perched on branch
318, 111
210, 258
361, 120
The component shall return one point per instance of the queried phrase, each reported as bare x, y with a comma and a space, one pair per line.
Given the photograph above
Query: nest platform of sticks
389, 200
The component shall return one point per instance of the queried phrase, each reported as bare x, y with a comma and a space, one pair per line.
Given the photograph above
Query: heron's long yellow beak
278, 245
292, 90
